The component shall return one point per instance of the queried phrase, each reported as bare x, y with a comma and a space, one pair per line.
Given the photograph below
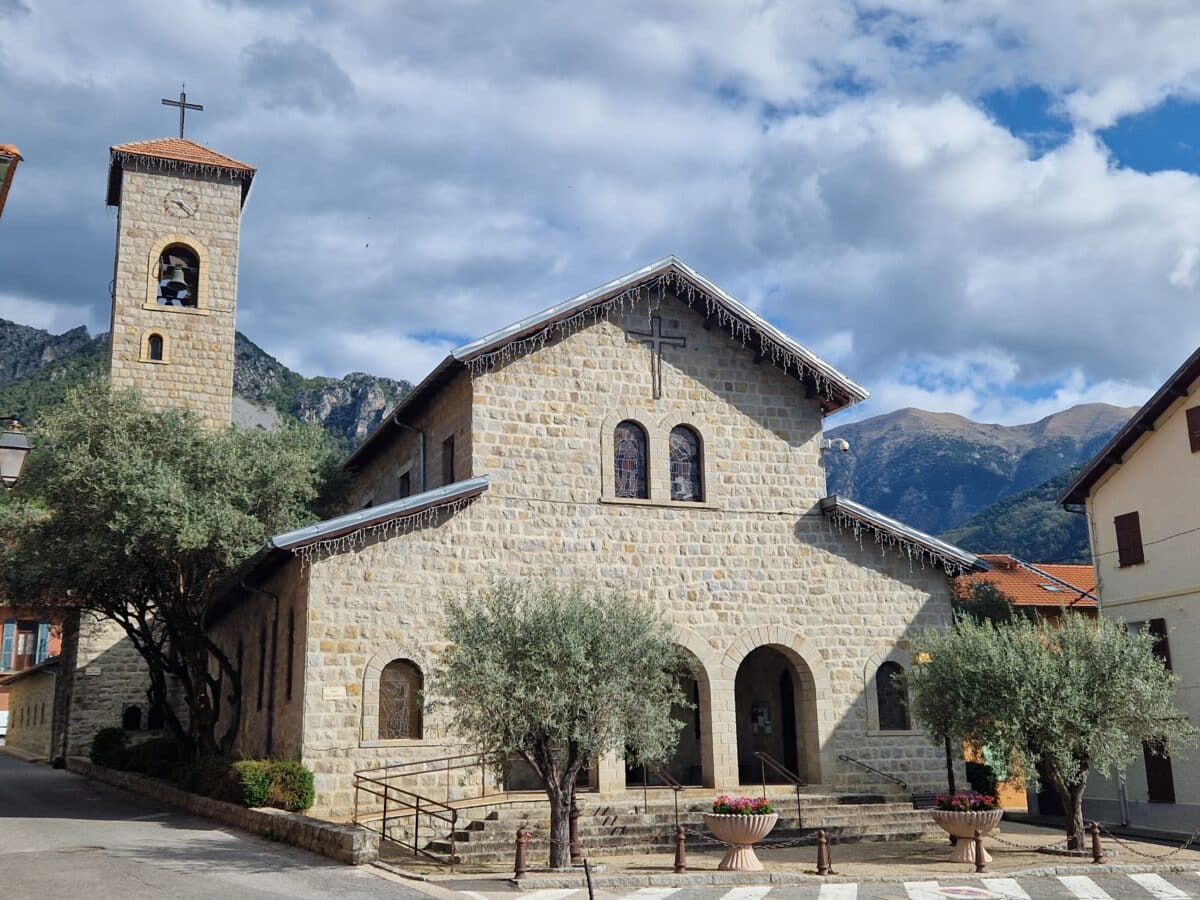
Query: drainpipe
1124, 800
420, 448
274, 662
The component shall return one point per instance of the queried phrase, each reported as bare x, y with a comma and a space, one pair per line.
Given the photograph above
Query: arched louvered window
893, 704
687, 481
400, 687
629, 461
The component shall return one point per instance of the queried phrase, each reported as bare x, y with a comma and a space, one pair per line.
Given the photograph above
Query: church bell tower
179, 209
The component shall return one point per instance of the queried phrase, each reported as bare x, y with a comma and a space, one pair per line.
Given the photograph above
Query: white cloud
459, 166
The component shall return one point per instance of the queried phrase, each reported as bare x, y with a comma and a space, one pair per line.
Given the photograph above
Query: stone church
653, 434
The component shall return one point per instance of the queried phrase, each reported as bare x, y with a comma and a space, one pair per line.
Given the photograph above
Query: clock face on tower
182, 203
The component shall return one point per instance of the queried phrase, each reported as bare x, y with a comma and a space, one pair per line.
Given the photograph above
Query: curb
760, 878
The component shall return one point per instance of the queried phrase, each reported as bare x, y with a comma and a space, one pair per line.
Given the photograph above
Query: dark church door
787, 722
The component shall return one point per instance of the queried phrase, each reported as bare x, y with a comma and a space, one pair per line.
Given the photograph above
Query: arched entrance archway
691, 763
775, 697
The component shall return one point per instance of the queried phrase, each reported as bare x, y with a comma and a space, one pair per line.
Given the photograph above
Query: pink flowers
742, 806
966, 801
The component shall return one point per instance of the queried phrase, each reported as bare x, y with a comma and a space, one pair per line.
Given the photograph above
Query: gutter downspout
274, 664
420, 448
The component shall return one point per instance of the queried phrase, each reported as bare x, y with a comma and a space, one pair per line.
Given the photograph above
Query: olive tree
141, 516
558, 676
1062, 699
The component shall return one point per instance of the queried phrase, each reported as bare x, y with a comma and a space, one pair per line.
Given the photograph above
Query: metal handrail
671, 782
766, 759
851, 759
449, 814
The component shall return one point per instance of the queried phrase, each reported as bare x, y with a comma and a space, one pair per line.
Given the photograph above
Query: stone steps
626, 824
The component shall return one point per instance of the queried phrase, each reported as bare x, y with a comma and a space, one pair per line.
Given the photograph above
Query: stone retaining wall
345, 843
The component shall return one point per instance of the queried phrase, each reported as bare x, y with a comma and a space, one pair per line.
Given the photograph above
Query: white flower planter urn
963, 824
742, 832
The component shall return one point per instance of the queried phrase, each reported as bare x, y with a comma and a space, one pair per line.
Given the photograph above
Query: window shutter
1158, 628
1129, 539
6, 650
43, 642
1193, 427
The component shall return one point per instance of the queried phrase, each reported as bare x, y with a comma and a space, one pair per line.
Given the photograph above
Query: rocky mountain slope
1029, 524
38, 368
936, 470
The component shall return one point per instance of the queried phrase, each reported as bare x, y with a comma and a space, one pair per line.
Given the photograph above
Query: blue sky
989, 208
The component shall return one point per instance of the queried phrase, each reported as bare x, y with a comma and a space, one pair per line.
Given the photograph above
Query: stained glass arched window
400, 687
629, 460
687, 482
893, 705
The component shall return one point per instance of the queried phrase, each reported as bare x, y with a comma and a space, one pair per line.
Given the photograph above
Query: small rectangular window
448, 460
1129, 539
405, 488
1193, 427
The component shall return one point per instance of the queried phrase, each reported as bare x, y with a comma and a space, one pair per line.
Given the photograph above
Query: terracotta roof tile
184, 150
1028, 585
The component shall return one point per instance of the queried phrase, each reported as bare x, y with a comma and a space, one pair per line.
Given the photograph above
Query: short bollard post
980, 865
680, 851
522, 869
573, 823
1097, 850
824, 866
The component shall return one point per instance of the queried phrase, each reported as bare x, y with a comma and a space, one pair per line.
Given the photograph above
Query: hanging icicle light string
887, 541
652, 293
359, 538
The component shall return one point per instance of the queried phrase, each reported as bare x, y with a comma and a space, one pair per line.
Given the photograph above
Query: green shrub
255, 778
291, 786
110, 747
279, 783
211, 776
157, 757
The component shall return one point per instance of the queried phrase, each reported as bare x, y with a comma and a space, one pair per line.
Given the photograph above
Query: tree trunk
560, 829
1071, 795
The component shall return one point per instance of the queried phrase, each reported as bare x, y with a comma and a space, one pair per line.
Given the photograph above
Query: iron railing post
453, 836
383, 824
675, 791
645, 791
763, 765
416, 825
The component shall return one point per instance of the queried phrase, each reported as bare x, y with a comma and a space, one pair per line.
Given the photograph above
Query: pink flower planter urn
963, 825
742, 832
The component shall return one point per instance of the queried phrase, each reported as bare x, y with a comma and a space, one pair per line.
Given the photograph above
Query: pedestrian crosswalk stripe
550, 894
839, 892
1083, 887
651, 894
1005, 887
747, 893
922, 890
1160, 887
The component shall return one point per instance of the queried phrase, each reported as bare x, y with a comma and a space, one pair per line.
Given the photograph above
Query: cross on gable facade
708, 500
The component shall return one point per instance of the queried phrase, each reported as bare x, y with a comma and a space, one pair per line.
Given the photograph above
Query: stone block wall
269, 637
196, 372
31, 714
755, 564
448, 414
104, 675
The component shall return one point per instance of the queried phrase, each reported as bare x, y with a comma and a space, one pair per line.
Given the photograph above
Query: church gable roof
669, 275
886, 530
173, 154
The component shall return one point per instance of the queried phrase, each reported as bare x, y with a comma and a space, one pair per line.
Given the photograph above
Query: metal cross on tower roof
183, 105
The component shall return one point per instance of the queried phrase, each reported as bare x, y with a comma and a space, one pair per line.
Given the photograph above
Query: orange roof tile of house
1035, 584
173, 150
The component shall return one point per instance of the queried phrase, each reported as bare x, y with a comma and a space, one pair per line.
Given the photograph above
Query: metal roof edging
869, 516
365, 518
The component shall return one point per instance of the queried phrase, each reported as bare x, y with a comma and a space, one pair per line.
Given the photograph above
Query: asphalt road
62, 836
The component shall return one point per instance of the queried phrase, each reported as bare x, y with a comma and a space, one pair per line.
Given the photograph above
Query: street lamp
9, 157
14, 447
